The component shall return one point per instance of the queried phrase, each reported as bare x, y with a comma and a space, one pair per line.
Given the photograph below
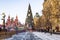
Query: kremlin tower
29, 20
8, 22
16, 20
12, 23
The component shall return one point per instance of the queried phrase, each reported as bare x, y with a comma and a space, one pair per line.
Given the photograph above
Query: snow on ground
24, 36
47, 36
34, 36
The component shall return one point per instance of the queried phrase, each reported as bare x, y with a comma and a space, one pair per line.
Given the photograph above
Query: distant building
12, 24
37, 21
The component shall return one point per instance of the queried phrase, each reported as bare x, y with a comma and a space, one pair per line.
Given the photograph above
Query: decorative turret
16, 20
37, 21
29, 20
36, 18
12, 20
8, 22
37, 15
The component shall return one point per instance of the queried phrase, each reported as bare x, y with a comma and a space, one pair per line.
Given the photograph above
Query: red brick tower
16, 20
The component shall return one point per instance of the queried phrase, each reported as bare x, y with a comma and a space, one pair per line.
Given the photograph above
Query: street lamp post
3, 15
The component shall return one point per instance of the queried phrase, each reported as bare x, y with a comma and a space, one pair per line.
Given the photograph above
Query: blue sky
20, 7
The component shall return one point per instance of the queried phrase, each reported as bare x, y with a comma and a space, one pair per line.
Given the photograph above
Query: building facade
37, 21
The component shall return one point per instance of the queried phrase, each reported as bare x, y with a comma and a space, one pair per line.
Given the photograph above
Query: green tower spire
29, 20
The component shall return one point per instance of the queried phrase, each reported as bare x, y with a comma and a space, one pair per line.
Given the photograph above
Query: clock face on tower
28, 14
29, 10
